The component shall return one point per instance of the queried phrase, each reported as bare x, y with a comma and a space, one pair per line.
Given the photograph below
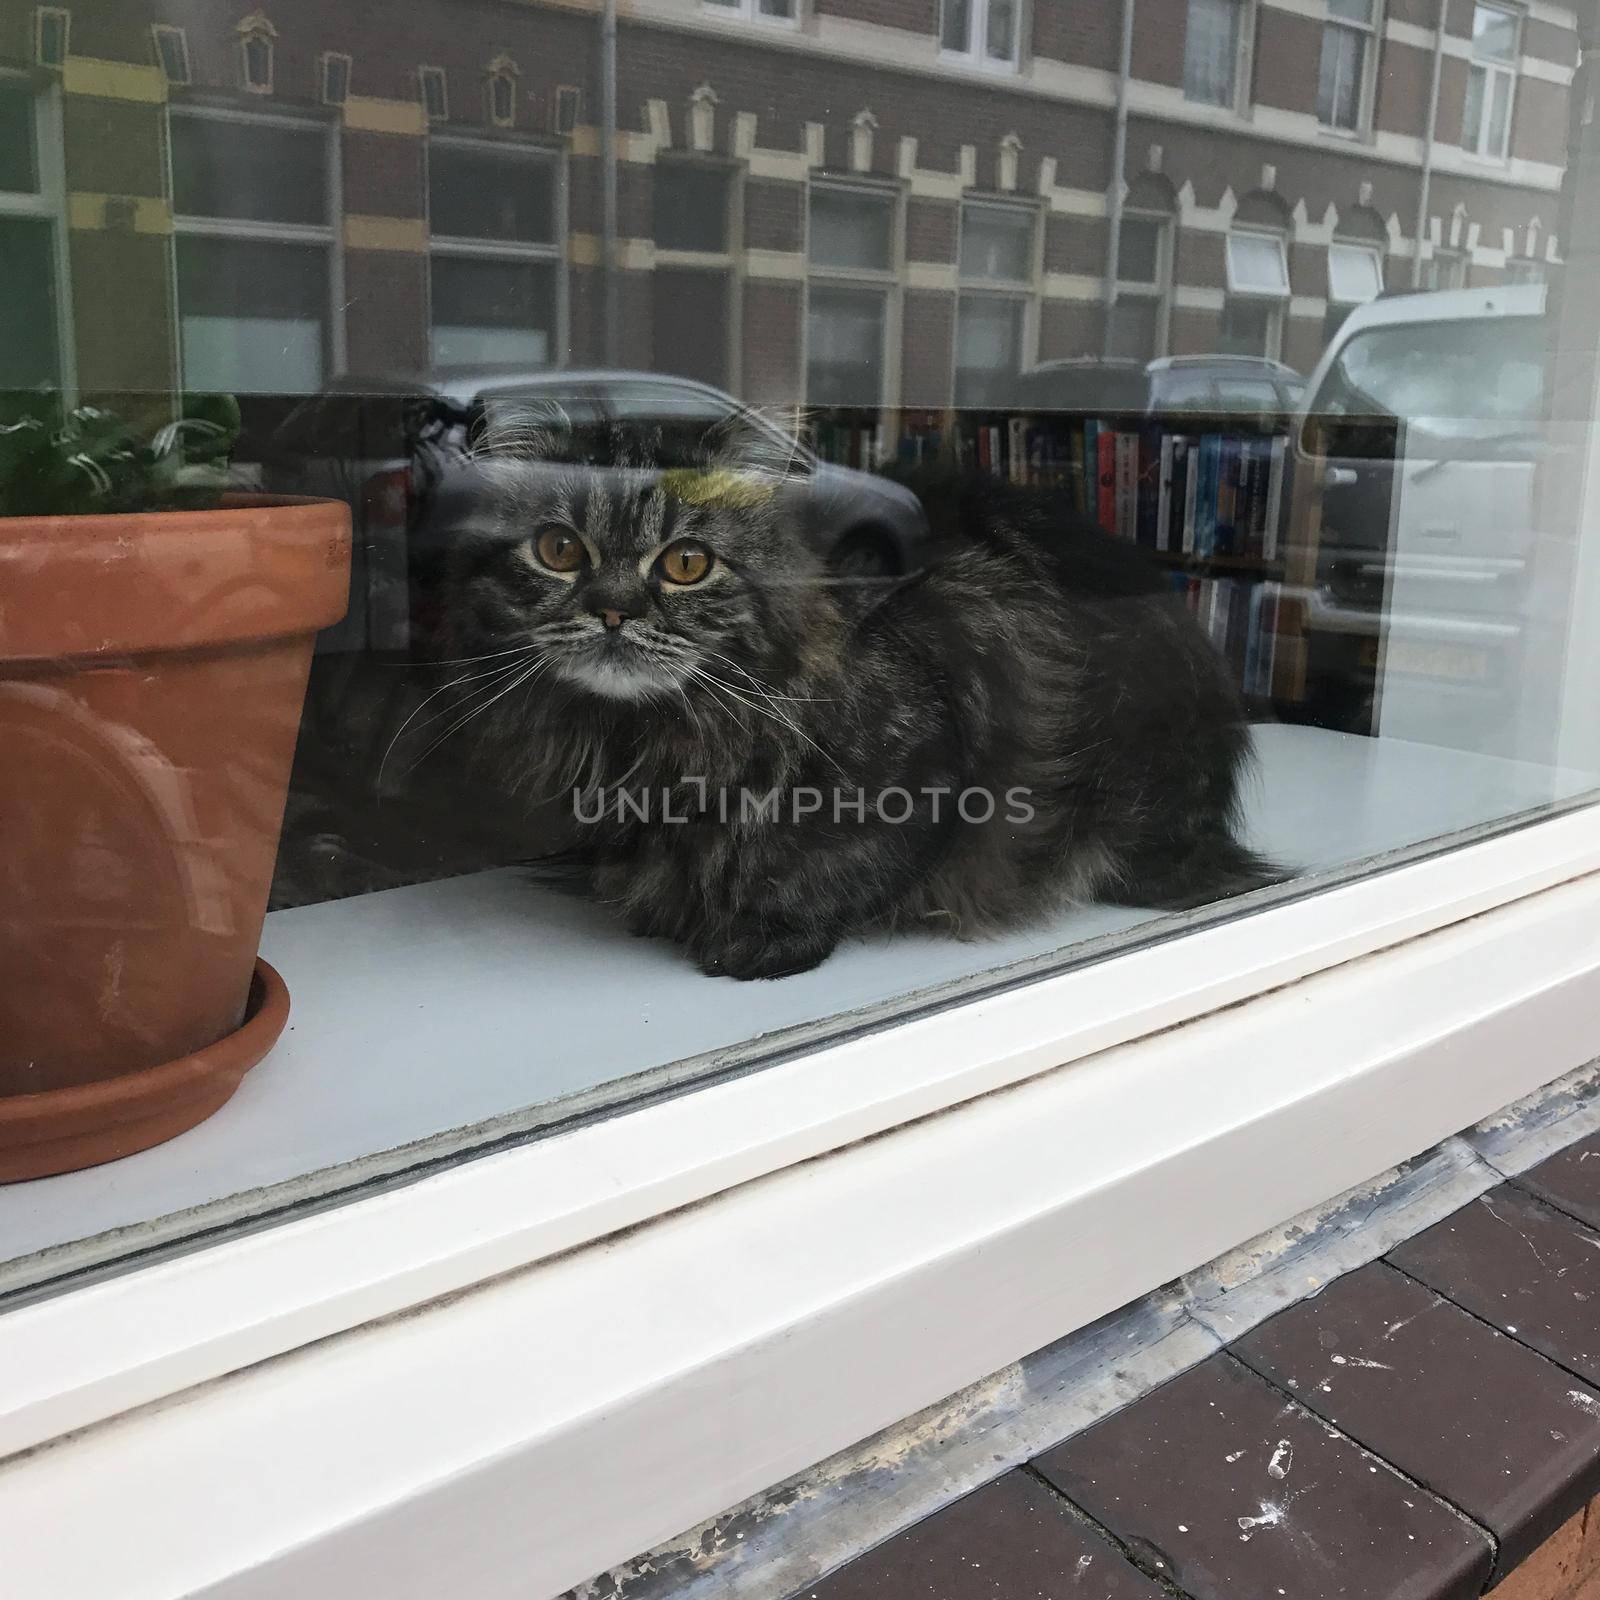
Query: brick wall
1565, 1567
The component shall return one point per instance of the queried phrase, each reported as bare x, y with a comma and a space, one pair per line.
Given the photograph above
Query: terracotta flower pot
152, 670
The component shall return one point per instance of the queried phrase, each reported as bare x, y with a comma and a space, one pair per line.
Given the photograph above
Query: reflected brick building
835, 201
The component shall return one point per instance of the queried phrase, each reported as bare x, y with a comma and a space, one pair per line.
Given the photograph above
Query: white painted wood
101, 1349
511, 1441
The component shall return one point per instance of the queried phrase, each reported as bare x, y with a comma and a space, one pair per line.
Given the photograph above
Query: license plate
1460, 662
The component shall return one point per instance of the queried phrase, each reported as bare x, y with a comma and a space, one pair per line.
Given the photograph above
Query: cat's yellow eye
686, 562
559, 550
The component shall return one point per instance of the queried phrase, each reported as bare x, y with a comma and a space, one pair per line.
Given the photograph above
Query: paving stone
1011, 1540
1569, 1179
1516, 1262
1476, 1417
1230, 1492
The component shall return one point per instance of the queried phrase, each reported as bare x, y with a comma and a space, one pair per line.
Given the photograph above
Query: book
1152, 441
1169, 445
1106, 477
1277, 467
1127, 484
1191, 496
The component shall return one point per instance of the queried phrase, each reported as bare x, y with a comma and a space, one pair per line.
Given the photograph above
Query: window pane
253, 316
690, 206
252, 171
1135, 327
492, 312
851, 229
1494, 34
692, 324
1499, 113
1352, 10
1247, 327
1355, 273
776, 8
27, 308
955, 26
997, 243
1139, 252
17, 168
1000, 33
844, 347
1339, 77
1211, 51
475, 193
1472, 129
1257, 264
988, 348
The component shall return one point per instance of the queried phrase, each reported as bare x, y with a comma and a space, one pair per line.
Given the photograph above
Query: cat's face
638, 585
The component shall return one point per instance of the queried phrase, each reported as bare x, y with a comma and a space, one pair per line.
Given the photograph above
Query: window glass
997, 242
1211, 51
690, 206
1258, 556
844, 347
28, 356
248, 170
1257, 264
487, 312
17, 169
254, 316
1355, 273
851, 229
480, 193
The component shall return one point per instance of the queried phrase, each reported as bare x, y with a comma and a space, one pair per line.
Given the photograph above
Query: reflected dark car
1213, 385
398, 452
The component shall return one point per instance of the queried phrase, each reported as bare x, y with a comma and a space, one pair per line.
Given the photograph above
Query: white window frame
887, 282
325, 62
328, 236
461, 247
1494, 67
1444, 261
1238, 102
501, 70
454, 1345
1278, 302
165, 31
256, 29
48, 204
1024, 291
750, 11
975, 54
1371, 33
1375, 254
1161, 290
428, 74
59, 14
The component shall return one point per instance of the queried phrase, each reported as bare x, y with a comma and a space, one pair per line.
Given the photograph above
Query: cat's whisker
764, 689
772, 714
528, 673
455, 683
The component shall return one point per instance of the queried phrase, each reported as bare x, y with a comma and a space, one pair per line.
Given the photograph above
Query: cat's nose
611, 618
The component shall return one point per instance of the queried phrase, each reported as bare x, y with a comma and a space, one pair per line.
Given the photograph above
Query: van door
1428, 436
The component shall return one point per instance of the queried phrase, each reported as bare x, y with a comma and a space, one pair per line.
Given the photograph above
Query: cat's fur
1029, 655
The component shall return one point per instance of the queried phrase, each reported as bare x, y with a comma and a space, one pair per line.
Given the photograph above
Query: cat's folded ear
523, 430
763, 441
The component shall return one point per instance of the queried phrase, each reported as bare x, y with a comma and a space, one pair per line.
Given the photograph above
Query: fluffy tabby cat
673, 633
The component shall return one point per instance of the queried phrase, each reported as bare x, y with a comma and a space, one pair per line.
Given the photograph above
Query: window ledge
629, 1390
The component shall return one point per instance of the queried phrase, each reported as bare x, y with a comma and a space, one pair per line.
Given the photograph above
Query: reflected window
689, 206
983, 32
495, 276
1144, 276
1258, 294
1211, 47
257, 38
335, 78
435, 95
500, 91
759, 10
254, 238
172, 52
1445, 269
19, 167
1491, 81
996, 301
1523, 269
851, 250
52, 27
1355, 277
1349, 43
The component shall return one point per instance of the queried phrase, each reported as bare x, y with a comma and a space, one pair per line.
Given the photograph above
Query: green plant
90, 460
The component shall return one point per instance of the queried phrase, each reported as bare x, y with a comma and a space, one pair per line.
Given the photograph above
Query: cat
732, 715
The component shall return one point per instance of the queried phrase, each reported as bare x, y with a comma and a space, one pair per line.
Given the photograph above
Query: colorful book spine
1106, 477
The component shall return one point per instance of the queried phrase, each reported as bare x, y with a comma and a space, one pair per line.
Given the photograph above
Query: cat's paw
747, 953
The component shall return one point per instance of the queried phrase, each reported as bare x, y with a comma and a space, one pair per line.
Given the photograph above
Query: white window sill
779, 1306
